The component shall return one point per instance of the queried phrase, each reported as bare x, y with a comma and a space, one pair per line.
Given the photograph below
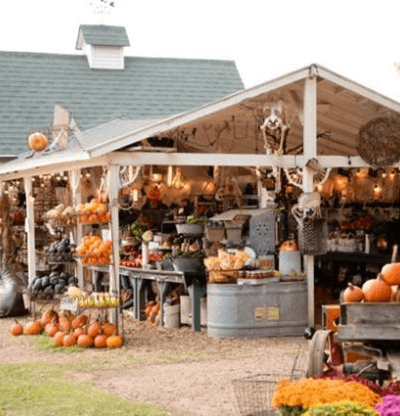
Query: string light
392, 174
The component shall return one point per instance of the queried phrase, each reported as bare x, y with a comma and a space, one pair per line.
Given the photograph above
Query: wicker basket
379, 142
222, 276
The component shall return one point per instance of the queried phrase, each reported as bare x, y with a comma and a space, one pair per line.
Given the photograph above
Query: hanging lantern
38, 142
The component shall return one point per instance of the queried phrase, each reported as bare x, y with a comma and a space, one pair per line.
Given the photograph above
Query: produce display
60, 251
61, 215
94, 250
132, 258
68, 330
45, 287
93, 212
95, 299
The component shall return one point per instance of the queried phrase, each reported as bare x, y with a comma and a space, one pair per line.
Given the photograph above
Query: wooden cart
365, 341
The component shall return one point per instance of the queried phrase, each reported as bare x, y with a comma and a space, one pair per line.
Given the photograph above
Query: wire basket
313, 236
254, 394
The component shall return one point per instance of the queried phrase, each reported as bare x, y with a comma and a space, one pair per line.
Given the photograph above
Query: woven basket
379, 142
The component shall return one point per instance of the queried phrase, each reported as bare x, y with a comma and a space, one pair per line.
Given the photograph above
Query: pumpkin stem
379, 277
394, 253
350, 285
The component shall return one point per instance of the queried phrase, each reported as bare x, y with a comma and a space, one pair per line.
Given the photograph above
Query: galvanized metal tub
255, 311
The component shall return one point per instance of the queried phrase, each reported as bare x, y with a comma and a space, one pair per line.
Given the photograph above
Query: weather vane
102, 6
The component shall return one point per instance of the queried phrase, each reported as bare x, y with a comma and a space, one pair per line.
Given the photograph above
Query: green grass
38, 389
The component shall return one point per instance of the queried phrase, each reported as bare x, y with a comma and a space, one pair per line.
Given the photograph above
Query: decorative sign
266, 313
68, 304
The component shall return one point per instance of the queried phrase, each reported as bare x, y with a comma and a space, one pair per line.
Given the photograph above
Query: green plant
342, 408
196, 221
138, 229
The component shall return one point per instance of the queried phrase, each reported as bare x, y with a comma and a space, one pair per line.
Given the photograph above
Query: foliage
138, 229
196, 221
341, 408
353, 377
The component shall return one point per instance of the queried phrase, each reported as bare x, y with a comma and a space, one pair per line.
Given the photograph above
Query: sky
267, 39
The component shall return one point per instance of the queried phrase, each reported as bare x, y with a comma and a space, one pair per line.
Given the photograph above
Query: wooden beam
113, 190
199, 159
75, 175
30, 229
366, 93
29, 171
310, 152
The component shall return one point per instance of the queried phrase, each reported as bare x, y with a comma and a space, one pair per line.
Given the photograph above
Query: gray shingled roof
102, 35
32, 83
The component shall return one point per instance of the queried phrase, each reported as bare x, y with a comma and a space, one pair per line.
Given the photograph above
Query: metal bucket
256, 311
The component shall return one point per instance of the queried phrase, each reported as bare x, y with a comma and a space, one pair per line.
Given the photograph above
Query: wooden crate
369, 321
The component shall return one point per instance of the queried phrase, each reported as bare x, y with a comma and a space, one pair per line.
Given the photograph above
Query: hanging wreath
379, 142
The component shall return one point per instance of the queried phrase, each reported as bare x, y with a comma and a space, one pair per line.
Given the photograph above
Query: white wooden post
113, 190
30, 228
310, 151
77, 199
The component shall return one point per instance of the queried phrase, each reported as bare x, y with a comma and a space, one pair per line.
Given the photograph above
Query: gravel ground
189, 373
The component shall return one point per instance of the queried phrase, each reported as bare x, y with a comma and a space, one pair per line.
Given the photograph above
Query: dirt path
189, 373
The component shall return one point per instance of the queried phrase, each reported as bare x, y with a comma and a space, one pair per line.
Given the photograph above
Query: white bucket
186, 310
289, 261
172, 316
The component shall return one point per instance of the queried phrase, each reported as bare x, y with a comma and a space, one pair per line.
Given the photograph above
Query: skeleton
275, 129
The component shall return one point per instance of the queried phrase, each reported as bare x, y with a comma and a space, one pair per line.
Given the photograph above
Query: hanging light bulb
178, 182
170, 175
377, 189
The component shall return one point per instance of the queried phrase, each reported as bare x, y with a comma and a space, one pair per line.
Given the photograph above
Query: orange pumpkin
108, 329
391, 274
94, 329
59, 339
114, 341
79, 321
38, 142
69, 340
85, 340
288, 245
16, 329
33, 328
353, 294
376, 290
48, 316
100, 341
52, 329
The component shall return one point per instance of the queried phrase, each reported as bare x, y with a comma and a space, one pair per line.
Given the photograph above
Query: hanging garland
379, 142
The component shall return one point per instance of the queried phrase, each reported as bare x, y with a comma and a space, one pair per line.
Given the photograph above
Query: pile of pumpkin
68, 330
385, 288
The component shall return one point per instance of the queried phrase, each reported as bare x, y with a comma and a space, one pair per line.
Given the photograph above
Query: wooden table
195, 283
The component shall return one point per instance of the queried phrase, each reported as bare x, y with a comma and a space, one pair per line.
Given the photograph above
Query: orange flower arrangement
309, 392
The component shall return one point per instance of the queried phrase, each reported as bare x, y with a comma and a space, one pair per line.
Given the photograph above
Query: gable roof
32, 83
104, 35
